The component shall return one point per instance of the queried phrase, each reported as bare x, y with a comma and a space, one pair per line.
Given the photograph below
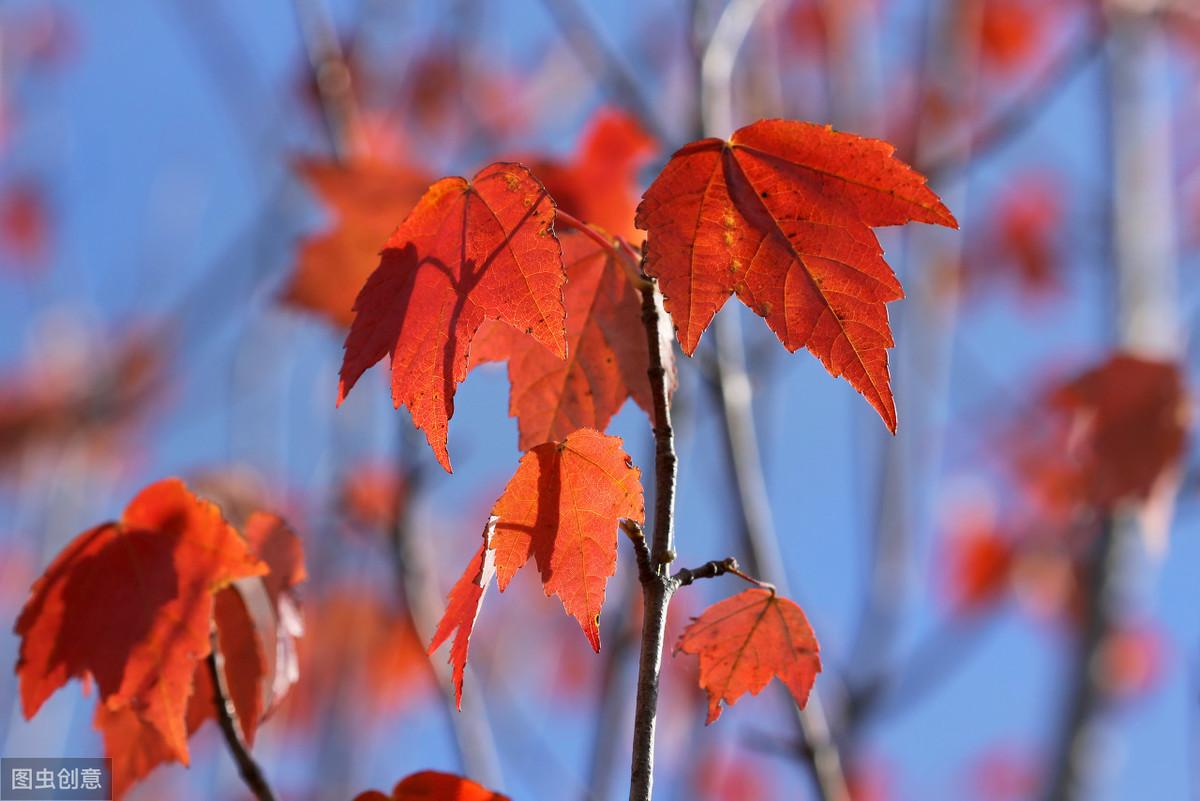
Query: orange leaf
746, 640
365, 199
607, 358
465, 601
129, 604
562, 507
782, 215
470, 250
431, 785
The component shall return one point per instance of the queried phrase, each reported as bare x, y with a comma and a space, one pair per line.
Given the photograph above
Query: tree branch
604, 63
712, 569
656, 585
227, 718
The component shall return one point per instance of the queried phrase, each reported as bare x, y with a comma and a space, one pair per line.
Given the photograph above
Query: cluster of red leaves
430, 785
133, 606
782, 214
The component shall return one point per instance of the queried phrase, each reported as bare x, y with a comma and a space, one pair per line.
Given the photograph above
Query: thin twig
421, 601
1022, 112
656, 584
331, 75
712, 569
604, 63
227, 718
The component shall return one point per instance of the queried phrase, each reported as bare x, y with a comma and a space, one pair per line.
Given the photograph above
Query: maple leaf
607, 358
562, 507
432, 785
129, 605
781, 214
746, 640
136, 747
599, 184
470, 250
1131, 425
464, 602
365, 198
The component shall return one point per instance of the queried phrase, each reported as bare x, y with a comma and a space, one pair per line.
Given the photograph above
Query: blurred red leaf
745, 641
978, 560
370, 495
1022, 240
1130, 421
469, 251
24, 226
155, 573
365, 199
430, 785
1131, 660
606, 354
782, 215
599, 184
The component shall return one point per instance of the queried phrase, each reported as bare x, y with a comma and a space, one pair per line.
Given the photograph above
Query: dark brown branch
656, 584
713, 569
641, 549
1086, 697
227, 718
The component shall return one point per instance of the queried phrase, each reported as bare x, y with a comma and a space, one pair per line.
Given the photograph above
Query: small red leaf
745, 641
562, 507
469, 251
782, 215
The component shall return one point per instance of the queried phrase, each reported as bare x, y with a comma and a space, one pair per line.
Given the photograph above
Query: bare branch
656, 585
227, 718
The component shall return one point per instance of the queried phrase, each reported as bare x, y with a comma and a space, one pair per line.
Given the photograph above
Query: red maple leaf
606, 355
469, 251
129, 604
563, 507
431, 785
745, 641
366, 199
781, 214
